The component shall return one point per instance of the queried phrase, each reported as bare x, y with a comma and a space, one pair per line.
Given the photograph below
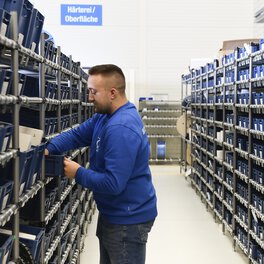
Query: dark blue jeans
122, 244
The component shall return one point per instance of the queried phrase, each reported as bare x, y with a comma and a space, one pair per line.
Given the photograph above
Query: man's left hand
70, 168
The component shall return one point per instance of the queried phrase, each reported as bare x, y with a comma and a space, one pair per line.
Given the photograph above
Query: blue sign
81, 15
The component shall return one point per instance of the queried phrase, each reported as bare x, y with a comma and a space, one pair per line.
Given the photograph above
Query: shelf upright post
79, 87
58, 82
250, 150
70, 82
234, 145
42, 127
182, 148
186, 127
223, 147
15, 138
206, 130
58, 180
214, 133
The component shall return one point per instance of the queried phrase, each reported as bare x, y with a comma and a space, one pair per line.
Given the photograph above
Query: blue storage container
54, 165
24, 11
6, 243
260, 256
36, 164
51, 194
6, 188
6, 82
25, 165
255, 200
255, 124
54, 260
261, 232
161, 149
4, 22
35, 29
255, 98
35, 243
64, 61
30, 118
6, 130
50, 51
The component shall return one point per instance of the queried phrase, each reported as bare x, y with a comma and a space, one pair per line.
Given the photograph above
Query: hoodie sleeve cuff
82, 177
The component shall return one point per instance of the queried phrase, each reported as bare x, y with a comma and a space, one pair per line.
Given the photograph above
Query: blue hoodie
119, 174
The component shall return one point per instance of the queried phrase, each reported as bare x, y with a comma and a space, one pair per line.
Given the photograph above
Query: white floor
183, 233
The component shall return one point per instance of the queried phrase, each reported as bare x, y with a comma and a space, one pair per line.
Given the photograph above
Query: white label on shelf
20, 38
4, 144
3, 29
21, 234
5, 201
219, 154
219, 135
5, 257
33, 46
21, 188
254, 216
34, 178
4, 88
19, 88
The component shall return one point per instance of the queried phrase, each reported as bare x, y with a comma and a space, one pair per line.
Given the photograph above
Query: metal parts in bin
34, 241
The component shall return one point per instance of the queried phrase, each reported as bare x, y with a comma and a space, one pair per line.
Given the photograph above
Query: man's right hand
46, 152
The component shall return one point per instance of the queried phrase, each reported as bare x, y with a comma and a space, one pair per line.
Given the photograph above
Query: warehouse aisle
184, 231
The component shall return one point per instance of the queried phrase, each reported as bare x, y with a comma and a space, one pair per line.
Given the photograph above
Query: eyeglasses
92, 91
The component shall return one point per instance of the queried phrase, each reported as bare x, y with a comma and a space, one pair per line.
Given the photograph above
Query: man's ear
113, 93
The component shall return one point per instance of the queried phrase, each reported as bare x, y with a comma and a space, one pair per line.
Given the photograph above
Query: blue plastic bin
33, 244
260, 256
161, 149
6, 243
35, 29
25, 163
24, 11
65, 61
54, 165
5, 81
6, 188
4, 21
36, 164
55, 260
6, 130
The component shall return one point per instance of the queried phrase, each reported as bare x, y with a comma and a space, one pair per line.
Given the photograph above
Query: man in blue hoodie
119, 174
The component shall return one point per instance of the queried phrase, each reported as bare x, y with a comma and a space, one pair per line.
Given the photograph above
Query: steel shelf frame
217, 143
15, 101
159, 118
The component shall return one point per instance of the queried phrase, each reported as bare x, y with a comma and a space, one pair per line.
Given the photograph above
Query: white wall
152, 40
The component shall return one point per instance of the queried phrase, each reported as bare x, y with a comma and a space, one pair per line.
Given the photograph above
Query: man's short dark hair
109, 70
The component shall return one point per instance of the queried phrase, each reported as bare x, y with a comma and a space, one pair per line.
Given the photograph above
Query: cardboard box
230, 45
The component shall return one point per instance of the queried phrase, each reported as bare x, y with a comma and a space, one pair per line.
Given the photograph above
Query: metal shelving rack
186, 85
228, 145
83, 206
160, 119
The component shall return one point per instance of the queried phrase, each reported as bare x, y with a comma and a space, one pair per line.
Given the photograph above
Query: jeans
122, 244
